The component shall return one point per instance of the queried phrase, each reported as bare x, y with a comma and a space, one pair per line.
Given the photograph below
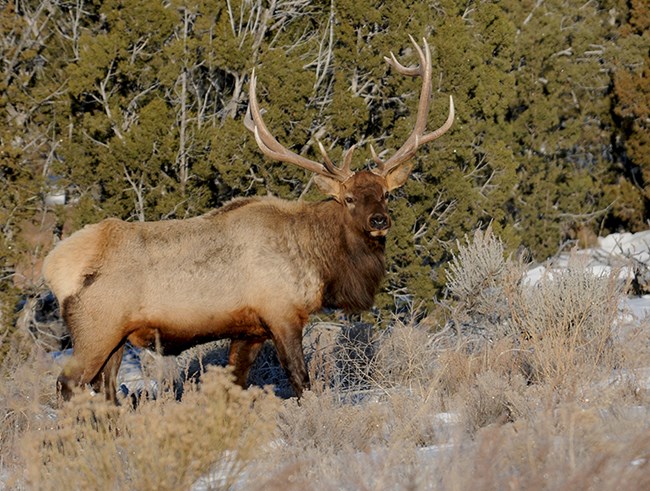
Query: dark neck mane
351, 262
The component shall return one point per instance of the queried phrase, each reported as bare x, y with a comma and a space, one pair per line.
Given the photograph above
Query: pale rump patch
78, 256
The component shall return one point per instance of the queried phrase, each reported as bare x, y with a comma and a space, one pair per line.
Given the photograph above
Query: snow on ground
636, 246
638, 307
626, 254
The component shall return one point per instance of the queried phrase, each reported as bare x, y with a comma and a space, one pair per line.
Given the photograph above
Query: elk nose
379, 221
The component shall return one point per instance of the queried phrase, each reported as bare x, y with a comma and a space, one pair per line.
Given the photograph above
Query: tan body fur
253, 270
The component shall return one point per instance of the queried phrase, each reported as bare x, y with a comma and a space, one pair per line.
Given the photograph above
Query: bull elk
252, 270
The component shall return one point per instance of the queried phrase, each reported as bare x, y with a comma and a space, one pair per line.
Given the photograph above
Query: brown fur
252, 270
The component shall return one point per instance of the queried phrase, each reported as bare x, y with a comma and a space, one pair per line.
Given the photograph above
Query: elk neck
351, 262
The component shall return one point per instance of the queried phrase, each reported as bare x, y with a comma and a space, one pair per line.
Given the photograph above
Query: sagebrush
550, 394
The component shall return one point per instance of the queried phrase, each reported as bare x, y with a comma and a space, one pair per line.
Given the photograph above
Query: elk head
364, 194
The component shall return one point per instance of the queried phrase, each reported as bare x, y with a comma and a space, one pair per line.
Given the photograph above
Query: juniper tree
627, 185
137, 107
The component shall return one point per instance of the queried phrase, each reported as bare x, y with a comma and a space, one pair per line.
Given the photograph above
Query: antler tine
329, 165
410, 71
444, 128
347, 160
274, 149
425, 71
323, 152
416, 138
375, 157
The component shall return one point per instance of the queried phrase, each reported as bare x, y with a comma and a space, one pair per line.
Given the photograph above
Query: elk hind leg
91, 357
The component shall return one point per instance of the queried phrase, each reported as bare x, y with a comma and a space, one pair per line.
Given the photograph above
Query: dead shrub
340, 445
479, 277
410, 421
26, 395
339, 356
163, 444
322, 422
392, 468
485, 387
458, 367
561, 327
493, 398
567, 447
405, 356
564, 323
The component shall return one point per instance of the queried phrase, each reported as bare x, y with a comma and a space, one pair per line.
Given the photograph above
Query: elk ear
398, 176
327, 185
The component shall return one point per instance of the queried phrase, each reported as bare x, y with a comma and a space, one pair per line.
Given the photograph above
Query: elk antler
273, 149
417, 138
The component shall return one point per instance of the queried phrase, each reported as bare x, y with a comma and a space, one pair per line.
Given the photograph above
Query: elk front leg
242, 356
288, 344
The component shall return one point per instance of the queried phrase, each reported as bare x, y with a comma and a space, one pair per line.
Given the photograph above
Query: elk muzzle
378, 224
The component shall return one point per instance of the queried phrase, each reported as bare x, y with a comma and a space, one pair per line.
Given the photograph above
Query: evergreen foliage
135, 108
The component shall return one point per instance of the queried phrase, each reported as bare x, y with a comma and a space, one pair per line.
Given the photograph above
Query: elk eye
386, 195
349, 200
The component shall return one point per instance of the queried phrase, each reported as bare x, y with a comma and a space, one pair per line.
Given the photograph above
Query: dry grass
479, 279
162, 444
565, 323
521, 388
